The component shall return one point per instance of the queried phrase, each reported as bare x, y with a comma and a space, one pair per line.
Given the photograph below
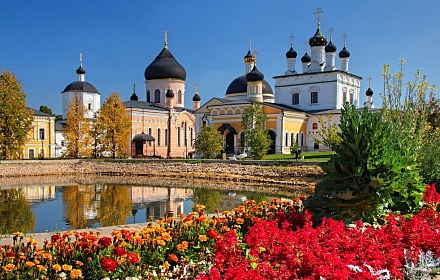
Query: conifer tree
254, 125
15, 118
77, 132
113, 126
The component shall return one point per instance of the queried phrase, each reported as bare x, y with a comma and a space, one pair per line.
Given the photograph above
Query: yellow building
40, 141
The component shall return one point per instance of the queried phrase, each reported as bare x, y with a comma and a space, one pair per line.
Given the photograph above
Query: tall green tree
77, 132
45, 109
411, 108
209, 142
15, 118
368, 176
254, 127
113, 126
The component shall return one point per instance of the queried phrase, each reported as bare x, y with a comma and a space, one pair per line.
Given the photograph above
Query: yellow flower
56, 267
30, 264
166, 265
31, 241
166, 236
75, 273
9, 267
67, 267
160, 242
203, 238
79, 264
17, 233
240, 221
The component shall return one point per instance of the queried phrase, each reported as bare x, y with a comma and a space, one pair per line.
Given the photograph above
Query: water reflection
83, 205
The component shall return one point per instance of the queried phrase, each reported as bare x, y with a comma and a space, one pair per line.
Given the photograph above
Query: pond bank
269, 173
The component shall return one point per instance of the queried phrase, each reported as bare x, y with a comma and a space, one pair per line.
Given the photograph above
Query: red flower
108, 264
211, 233
118, 251
133, 258
105, 241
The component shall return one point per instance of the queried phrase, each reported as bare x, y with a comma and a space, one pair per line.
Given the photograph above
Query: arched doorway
273, 137
229, 148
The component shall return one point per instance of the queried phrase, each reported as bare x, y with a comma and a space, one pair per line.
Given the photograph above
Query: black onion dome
196, 97
80, 70
134, 97
239, 85
330, 47
318, 39
369, 92
170, 93
254, 75
249, 57
81, 86
306, 58
291, 53
165, 66
344, 53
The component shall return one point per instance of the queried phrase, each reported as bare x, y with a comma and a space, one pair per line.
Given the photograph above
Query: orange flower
9, 267
30, 264
173, 258
203, 238
67, 267
56, 267
75, 273
159, 242
240, 221
182, 246
41, 267
79, 264
166, 265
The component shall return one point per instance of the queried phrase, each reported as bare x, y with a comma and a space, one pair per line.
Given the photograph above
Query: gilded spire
197, 88
250, 42
80, 59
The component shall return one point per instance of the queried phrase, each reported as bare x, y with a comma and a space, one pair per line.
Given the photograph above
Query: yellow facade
40, 141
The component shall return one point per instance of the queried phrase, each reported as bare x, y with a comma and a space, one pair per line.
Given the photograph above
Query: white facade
160, 87
91, 101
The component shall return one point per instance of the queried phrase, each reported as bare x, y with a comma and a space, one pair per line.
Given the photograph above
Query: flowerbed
273, 240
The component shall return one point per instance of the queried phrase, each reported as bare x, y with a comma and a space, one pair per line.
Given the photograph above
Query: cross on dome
80, 60
318, 13
369, 81
250, 42
291, 39
197, 88
345, 39
166, 39
331, 29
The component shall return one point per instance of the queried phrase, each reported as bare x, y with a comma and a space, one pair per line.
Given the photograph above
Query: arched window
149, 132
148, 96
166, 136
242, 140
287, 139
158, 137
192, 136
302, 139
179, 97
157, 96
185, 134
297, 139
42, 134
178, 136
292, 138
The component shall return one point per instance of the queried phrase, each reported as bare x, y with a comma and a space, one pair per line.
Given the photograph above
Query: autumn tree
77, 132
329, 135
15, 118
254, 126
113, 126
411, 108
209, 142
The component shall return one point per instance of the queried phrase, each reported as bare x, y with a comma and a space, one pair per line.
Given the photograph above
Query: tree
254, 126
77, 133
368, 176
209, 142
113, 126
412, 109
15, 118
328, 133
45, 109
114, 205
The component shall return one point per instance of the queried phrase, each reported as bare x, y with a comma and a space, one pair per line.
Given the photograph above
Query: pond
50, 204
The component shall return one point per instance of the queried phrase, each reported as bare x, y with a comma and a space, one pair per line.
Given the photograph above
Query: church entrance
229, 149
139, 148
273, 137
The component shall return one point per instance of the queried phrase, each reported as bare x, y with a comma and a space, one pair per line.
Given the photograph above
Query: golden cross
80, 59
134, 87
307, 45
369, 81
345, 39
197, 88
250, 42
291, 39
318, 13
331, 32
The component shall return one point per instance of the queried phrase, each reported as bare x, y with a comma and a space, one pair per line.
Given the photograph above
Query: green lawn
308, 156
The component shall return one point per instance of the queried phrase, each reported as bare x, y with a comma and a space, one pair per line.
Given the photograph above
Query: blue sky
41, 41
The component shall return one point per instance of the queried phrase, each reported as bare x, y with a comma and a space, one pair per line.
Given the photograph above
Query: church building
299, 100
161, 125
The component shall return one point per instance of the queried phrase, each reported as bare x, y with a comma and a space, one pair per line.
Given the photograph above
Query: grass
308, 156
